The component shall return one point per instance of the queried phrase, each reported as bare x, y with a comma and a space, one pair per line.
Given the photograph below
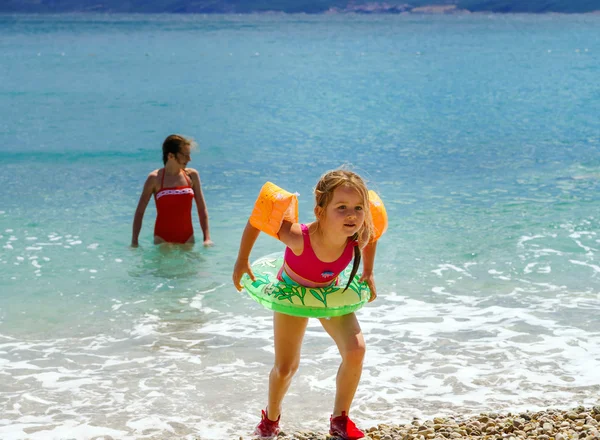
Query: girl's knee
285, 370
355, 353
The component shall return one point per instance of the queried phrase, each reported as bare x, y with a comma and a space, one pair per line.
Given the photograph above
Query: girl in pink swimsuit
315, 255
174, 188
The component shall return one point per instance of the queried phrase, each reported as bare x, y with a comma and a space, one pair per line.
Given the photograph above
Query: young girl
315, 255
174, 188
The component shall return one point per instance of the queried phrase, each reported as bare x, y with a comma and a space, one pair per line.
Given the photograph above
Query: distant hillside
531, 6
299, 6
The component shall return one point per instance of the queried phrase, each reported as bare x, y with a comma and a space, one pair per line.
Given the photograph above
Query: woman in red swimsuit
174, 188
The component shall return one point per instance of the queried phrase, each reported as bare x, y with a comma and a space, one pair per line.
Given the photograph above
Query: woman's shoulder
153, 176
192, 173
152, 181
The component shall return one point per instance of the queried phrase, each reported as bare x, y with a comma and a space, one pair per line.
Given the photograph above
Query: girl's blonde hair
326, 185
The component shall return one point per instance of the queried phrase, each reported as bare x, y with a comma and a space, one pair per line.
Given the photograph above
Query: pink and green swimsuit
307, 270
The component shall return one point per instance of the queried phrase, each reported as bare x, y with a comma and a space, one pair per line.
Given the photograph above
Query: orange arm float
379, 216
272, 207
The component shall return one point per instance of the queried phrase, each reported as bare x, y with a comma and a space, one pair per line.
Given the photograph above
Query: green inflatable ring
296, 300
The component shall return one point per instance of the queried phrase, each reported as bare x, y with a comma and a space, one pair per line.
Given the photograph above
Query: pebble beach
551, 424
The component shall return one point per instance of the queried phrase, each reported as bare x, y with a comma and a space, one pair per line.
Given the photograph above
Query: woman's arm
141, 208
200, 205
368, 257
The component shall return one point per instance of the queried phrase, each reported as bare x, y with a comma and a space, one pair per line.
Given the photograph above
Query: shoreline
451, 12
551, 424
368, 8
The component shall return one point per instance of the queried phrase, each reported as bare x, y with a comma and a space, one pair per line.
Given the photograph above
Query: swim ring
296, 300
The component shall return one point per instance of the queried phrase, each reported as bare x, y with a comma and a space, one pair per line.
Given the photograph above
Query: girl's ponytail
356, 262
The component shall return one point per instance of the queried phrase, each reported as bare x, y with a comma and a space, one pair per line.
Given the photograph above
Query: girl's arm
242, 265
141, 209
289, 233
200, 205
368, 257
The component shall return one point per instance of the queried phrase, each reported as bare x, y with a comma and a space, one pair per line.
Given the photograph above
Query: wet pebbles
575, 424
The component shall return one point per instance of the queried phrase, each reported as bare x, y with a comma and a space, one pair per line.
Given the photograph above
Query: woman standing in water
174, 187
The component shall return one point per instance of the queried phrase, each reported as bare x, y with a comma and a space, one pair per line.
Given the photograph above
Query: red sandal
267, 428
344, 428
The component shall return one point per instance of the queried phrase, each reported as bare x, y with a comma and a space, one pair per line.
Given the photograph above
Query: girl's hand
370, 280
241, 267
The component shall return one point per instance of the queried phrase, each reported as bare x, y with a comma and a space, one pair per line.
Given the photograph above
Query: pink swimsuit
306, 269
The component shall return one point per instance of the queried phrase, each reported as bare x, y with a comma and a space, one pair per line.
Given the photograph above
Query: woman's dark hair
173, 144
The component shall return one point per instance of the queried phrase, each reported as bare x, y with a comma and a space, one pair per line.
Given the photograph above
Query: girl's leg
345, 331
288, 332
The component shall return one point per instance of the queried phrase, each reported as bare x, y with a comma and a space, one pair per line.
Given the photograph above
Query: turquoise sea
480, 132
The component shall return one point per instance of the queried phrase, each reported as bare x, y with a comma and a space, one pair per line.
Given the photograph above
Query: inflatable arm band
272, 207
378, 214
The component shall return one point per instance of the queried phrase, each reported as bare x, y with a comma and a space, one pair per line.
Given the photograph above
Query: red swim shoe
267, 428
343, 427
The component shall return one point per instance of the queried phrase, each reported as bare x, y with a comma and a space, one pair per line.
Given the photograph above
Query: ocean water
480, 133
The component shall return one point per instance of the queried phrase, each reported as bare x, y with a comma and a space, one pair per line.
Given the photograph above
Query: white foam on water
529, 267
424, 359
449, 344
446, 267
35, 399
440, 290
525, 238
146, 326
595, 267
68, 430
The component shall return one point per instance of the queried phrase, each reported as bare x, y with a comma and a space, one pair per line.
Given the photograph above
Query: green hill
297, 6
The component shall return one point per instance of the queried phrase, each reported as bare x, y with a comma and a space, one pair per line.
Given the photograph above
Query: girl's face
345, 213
183, 157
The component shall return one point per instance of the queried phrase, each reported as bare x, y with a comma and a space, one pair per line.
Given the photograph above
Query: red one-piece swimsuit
174, 212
